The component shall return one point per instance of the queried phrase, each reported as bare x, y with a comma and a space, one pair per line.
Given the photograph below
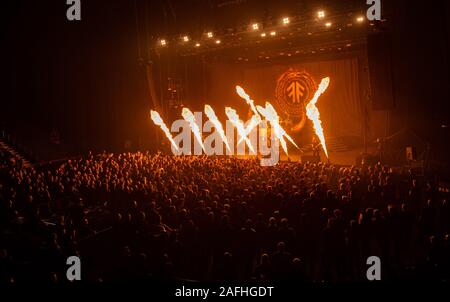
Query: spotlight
255, 26
197, 44
328, 24
263, 35
273, 33
286, 20
360, 19
163, 42
218, 41
321, 14
209, 34
186, 39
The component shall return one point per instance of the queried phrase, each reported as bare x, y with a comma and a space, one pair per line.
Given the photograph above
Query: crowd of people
142, 216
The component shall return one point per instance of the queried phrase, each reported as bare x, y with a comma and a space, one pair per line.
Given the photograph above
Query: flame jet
264, 112
156, 118
241, 92
254, 121
234, 119
271, 115
190, 118
213, 118
256, 118
312, 112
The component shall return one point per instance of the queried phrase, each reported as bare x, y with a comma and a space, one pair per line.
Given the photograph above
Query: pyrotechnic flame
213, 118
266, 114
156, 118
234, 119
241, 92
271, 115
312, 112
190, 118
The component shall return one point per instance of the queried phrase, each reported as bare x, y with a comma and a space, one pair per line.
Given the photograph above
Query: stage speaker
379, 54
310, 158
410, 153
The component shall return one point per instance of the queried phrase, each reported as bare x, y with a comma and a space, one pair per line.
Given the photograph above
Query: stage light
255, 26
209, 34
218, 42
163, 42
197, 44
321, 14
328, 24
273, 33
360, 19
263, 35
186, 39
286, 20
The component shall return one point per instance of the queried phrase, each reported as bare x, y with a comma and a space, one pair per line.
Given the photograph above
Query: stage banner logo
295, 88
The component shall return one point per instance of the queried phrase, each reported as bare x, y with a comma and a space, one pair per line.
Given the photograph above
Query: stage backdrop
340, 106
